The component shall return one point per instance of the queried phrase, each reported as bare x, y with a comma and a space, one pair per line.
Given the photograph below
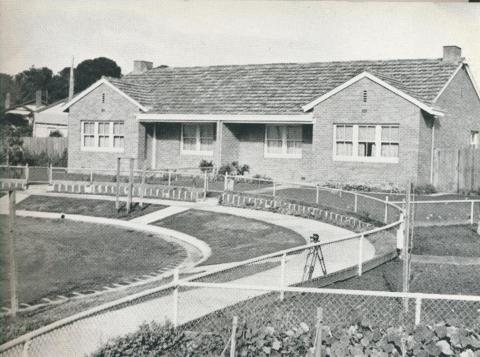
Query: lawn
425, 278
59, 257
88, 207
456, 240
232, 238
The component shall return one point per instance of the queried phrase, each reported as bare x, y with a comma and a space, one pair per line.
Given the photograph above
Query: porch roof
226, 118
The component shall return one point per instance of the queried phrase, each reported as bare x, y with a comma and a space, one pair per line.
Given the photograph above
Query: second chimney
140, 67
452, 54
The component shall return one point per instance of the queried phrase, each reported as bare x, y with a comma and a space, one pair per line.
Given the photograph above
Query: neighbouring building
369, 122
49, 119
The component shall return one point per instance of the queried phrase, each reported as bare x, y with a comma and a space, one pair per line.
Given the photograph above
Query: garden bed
87, 207
232, 238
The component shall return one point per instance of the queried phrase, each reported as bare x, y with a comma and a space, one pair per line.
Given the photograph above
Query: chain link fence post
385, 219
175, 298
27, 173
418, 310
282, 276
355, 205
317, 197
360, 255
233, 339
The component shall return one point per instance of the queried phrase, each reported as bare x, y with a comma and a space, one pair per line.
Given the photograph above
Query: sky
187, 33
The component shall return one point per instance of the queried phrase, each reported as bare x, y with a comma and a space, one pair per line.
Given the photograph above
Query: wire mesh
12, 172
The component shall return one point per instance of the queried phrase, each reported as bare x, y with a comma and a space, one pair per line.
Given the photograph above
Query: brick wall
382, 107
230, 143
251, 152
116, 107
462, 113
168, 148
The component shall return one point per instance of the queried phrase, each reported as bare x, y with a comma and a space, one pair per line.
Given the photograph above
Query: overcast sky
185, 33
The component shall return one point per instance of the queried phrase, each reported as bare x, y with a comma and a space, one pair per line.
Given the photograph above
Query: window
369, 143
283, 141
344, 140
102, 136
103, 98
364, 96
390, 141
197, 139
366, 140
474, 138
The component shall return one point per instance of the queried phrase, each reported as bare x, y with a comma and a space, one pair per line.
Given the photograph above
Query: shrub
359, 339
425, 189
56, 134
44, 159
205, 165
233, 168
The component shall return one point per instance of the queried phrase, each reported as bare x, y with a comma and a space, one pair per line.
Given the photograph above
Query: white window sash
96, 147
355, 145
284, 153
197, 150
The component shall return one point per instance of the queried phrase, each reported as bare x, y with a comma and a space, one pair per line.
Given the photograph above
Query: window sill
381, 160
97, 149
196, 153
282, 156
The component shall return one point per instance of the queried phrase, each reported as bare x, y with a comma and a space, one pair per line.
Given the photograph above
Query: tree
31, 80
55, 134
90, 71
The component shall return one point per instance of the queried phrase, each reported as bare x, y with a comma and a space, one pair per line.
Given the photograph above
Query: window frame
355, 145
96, 136
284, 154
197, 150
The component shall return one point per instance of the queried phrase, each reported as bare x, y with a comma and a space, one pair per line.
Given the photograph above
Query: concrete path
160, 214
85, 336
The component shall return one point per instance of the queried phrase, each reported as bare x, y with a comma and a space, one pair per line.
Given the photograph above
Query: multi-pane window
390, 141
283, 141
198, 138
366, 142
102, 136
344, 140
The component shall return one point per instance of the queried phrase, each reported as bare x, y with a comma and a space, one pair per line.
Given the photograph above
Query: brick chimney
38, 98
140, 67
452, 54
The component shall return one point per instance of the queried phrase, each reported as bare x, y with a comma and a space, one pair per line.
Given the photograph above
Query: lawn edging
13, 184
177, 193
290, 207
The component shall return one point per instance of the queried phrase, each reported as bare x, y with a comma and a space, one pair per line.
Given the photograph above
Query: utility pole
11, 253
71, 82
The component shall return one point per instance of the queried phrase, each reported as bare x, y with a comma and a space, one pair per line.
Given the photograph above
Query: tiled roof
281, 88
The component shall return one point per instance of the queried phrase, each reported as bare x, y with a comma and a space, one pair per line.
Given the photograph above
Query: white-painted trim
284, 154
197, 152
377, 80
475, 85
355, 158
111, 136
228, 118
448, 82
96, 85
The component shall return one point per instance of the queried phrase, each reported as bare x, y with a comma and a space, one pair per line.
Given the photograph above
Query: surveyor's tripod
314, 253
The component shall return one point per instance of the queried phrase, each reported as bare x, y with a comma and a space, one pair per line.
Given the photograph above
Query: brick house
370, 122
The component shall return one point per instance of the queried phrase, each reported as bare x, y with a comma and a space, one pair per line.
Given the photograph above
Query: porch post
154, 146
219, 138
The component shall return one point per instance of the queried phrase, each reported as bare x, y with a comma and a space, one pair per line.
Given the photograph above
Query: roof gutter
228, 118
